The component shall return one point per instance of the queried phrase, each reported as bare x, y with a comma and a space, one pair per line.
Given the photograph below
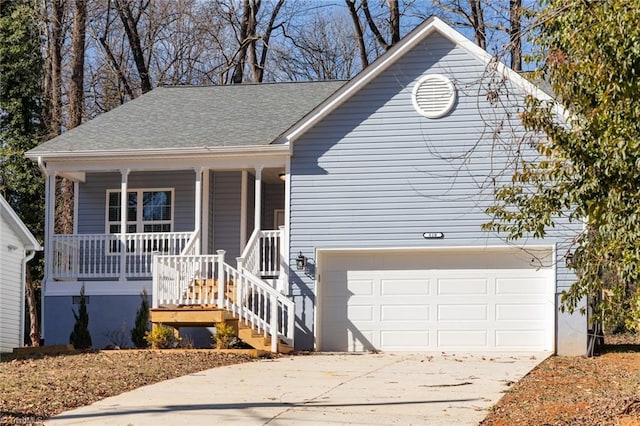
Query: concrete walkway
372, 389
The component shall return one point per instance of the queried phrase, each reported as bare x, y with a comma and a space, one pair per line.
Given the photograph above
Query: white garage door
498, 300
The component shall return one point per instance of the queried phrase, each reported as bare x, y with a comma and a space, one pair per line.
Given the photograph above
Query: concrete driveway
372, 389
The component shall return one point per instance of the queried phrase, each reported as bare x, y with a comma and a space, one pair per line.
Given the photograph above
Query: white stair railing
252, 300
261, 256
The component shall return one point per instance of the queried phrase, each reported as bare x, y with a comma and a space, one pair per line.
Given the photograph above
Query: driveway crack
342, 383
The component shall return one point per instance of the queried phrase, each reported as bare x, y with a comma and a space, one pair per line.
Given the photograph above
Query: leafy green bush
142, 325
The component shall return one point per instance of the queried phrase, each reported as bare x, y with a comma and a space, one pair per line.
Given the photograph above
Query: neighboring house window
148, 210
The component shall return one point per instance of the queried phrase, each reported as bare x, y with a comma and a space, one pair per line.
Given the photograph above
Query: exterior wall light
301, 262
282, 176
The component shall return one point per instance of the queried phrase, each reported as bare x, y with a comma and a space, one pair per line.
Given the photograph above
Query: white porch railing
263, 253
252, 300
91, 256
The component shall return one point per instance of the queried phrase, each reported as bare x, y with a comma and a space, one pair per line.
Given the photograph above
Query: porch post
243, 209
258, 200
124, 198
49, 223
204, 229
198, 207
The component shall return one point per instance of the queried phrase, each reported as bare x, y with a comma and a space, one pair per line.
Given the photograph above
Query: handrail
261, 255
248, 297
192, 246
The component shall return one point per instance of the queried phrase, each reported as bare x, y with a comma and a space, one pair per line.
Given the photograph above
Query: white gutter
161, 152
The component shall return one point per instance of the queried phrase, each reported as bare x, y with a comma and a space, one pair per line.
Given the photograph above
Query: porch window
148, 211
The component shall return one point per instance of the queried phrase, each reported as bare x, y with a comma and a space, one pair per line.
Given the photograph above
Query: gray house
335, 216
17, 247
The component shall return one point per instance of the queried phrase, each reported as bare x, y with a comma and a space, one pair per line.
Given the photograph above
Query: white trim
287, 224
244, 190
227, 163
76, 205
97, 288
204, 230
429, 26
160, 153
257, 207
197, 220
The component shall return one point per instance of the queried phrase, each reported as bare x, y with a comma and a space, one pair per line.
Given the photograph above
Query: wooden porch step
257, 340
189, 316
207, 289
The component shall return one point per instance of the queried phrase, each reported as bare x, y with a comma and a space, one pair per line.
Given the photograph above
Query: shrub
80, 337
225, 335
141, 327
161, 337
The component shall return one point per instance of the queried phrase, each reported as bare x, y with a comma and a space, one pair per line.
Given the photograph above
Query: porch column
198, 207
49, 222
258, 200
244, 183
124, 197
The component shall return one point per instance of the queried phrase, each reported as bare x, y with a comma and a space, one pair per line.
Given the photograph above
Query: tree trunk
238, 71
54, 116
357, 26
32, 305
515, 36
477, 22
76, 97
258, 73
394, 21
131, 29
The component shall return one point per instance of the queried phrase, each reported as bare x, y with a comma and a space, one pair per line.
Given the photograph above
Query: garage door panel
404, 313
468, 339
391, 287
360, 312
403, 340
459, 312
462, 286
520, 286
520, 339
359, 287
522, 312
388, 308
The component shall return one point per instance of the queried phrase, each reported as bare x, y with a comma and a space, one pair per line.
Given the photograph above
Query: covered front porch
205, 238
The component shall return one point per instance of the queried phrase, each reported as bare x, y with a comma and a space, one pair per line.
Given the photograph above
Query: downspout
47, 242
28, 255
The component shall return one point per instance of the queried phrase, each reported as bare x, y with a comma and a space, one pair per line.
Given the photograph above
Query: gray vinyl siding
107, 315
376, 174
273, 198
226, 213
92, 197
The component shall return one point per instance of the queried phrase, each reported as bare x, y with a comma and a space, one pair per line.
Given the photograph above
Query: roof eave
156, 153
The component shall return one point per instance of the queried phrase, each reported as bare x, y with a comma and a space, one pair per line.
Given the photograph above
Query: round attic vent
434, 96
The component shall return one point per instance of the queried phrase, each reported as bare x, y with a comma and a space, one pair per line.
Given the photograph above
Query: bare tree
130, 24
326, 53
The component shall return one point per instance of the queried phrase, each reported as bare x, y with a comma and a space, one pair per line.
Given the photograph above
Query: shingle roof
195, 117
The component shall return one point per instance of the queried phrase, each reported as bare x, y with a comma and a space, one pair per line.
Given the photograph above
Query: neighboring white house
17, 247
